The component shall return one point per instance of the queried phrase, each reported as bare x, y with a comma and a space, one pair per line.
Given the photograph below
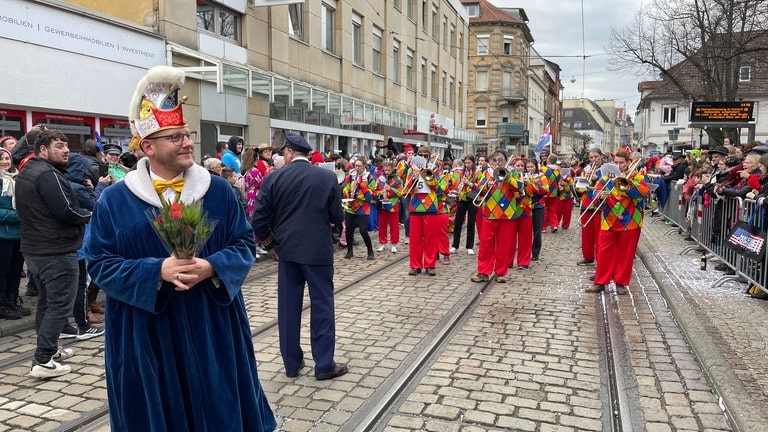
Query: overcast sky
556, 29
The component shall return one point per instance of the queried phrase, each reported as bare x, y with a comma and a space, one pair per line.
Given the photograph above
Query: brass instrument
427, 174
500, 175
345, 203
582, 185
621, 183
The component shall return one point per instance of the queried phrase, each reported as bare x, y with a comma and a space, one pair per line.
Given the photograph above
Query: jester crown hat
156, 105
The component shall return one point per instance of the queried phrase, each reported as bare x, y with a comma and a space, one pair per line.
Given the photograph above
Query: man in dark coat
295, 213
52, 227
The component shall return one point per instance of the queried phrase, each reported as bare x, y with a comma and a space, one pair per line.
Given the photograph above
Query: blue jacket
229, 159
10, 227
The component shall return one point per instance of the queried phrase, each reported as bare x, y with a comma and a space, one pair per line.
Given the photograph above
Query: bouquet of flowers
183, 228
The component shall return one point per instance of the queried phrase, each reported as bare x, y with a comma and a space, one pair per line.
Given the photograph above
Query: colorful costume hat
156, 104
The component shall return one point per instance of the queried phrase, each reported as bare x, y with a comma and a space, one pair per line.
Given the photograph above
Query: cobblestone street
526, 357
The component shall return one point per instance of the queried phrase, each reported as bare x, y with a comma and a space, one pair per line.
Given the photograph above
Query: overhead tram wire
583, 51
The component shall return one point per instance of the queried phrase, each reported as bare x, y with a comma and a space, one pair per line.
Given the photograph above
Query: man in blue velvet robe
179, 353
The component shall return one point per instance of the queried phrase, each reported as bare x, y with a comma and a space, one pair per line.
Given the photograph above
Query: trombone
500, 175
622, 183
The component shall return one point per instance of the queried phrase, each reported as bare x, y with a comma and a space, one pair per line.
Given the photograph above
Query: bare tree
581, 147
697, 47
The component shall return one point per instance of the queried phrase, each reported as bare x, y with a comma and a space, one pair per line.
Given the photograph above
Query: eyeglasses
176, 138
499, 160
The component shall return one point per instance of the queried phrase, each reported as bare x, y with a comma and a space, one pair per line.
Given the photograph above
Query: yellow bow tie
162, 185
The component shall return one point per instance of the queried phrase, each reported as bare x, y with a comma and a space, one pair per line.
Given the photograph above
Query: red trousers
615, 254
389, 221
564, 212
589, 235
521, 241
422, 246
551, 206
495, 238
443, 244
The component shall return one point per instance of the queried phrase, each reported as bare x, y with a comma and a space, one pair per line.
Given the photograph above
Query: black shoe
554, 230
8, 312
338, 371
297, 372
349, 255
431, 272
414, 272
371, 257
68, 332
585, 262
534, 258
17, 305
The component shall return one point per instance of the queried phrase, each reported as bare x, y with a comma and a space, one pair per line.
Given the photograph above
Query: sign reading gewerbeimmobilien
738, 111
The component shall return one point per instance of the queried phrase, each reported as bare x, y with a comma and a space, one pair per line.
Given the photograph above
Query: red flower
175, 210
159, 219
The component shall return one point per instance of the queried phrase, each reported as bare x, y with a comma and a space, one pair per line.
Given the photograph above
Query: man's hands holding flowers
185, 273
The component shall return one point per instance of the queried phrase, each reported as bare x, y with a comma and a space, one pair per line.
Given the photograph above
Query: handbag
747, 239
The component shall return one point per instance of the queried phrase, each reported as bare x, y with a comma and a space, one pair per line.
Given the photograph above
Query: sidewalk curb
734, 398
12, 327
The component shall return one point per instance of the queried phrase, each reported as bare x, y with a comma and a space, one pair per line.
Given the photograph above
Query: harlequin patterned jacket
503, 201
361, 196
623, 211
424, 195
553, 179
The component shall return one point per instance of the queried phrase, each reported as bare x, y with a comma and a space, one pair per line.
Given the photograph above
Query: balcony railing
512, 95
512, 130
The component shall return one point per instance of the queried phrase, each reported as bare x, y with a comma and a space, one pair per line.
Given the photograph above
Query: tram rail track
373, 416
610, 340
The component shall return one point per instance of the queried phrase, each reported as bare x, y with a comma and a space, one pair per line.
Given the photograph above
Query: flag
544, 140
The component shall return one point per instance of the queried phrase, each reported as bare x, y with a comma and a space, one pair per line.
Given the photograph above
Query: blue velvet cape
176, 360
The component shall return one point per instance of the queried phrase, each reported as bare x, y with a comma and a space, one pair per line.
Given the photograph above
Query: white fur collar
197, 180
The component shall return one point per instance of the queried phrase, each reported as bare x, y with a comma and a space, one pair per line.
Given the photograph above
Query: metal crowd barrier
675, 211
710, 226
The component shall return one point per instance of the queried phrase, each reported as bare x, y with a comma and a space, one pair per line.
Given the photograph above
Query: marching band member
590, 226
403, 171
484, 170
565, 198
620, 224
499, 210
536, 188
390, 189
359, 186
422, 208
522, 232
552, 200
447, 183
467, 178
